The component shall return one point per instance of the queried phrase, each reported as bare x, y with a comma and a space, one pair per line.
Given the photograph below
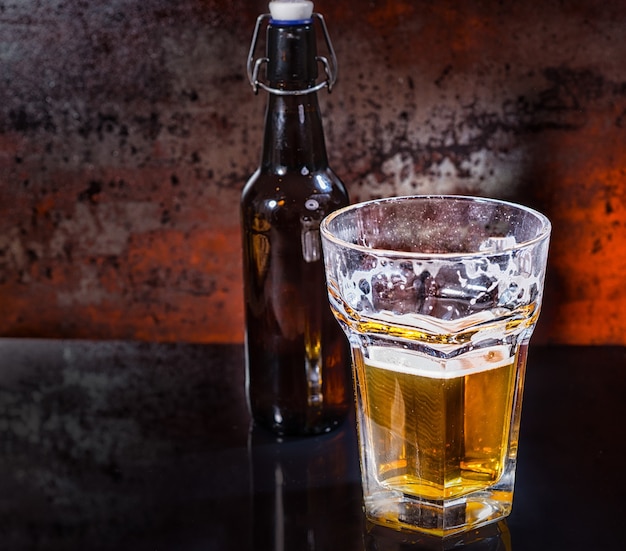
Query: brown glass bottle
297, 358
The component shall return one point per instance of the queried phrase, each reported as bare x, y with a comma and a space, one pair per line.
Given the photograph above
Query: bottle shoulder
291, 202
267, 184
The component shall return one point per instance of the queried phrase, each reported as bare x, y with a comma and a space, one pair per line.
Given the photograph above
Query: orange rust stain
197, 275
44, 206
586, 287
590, 258
168, 286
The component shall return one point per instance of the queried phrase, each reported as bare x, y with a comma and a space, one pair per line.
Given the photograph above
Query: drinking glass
438, 296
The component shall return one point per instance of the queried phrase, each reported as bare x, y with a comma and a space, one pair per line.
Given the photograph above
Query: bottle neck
294, 134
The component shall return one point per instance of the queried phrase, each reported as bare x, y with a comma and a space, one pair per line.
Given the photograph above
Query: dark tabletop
135, 446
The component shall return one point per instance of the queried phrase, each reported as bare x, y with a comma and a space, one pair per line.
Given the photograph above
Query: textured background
128, 128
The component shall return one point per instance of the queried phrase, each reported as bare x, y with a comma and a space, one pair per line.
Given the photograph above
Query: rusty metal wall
128, 128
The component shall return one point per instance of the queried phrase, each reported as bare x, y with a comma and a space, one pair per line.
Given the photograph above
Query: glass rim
543, 233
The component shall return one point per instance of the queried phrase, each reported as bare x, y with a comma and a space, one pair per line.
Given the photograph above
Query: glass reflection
493, 537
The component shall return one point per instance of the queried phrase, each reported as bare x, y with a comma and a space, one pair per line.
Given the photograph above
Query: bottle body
297, 356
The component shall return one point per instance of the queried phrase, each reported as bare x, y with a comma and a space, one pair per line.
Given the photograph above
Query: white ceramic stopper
291, 10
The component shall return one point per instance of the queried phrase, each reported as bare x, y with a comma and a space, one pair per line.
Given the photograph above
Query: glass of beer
438, 296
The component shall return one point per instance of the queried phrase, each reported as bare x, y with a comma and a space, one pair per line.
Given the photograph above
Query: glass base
438, 518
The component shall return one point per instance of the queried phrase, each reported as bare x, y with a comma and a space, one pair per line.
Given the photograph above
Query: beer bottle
297, 358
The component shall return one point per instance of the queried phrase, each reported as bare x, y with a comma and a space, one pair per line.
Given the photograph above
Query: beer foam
413, 363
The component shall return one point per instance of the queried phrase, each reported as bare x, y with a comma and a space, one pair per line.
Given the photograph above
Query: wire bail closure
254, 65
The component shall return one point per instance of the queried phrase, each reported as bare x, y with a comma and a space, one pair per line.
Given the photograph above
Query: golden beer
437, 429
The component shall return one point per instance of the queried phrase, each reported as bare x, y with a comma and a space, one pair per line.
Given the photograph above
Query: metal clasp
254, 65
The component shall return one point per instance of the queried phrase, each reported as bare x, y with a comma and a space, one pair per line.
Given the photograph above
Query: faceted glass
438, 296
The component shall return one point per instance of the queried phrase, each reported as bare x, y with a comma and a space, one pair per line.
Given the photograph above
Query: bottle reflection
494, 537
306, 491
